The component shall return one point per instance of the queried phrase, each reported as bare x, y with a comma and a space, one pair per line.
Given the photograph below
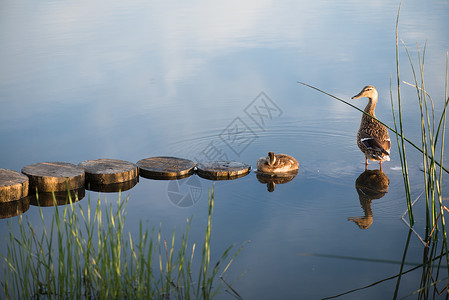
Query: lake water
82, 80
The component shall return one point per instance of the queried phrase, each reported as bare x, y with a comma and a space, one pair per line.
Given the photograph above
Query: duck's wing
286, 161
377, 145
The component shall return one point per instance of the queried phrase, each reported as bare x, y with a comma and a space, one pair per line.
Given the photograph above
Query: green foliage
87, 254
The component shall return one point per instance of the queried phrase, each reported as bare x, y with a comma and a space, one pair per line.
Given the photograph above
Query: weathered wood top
52, 176
108, 171
165, 167
222, 169
13, 185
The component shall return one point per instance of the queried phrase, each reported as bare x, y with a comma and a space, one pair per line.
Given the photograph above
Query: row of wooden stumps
103, 175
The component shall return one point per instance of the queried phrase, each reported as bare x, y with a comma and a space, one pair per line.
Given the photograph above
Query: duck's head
368, 91
271, 158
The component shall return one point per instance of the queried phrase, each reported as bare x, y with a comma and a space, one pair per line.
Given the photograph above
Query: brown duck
277, 163
372, 137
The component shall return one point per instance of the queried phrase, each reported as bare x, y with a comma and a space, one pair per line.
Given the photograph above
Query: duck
372, 137
277, 163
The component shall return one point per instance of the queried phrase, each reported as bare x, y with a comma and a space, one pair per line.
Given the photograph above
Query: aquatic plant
430, 136
87, 254
433, 128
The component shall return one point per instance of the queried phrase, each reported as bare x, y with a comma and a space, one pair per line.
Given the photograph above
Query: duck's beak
359, 95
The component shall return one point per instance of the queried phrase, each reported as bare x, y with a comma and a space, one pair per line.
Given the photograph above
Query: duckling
372, 137
277, 163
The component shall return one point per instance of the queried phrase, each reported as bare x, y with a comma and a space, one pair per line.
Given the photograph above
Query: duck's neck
370, 107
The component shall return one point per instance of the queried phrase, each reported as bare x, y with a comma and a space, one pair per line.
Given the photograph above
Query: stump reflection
60, 198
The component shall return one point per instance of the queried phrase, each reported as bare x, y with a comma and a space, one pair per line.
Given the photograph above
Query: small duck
372, 137
277, 163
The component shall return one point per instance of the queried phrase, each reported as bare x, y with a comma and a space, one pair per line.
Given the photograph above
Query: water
130, 80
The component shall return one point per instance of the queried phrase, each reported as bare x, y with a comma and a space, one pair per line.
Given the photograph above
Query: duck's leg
380, 164
366, 163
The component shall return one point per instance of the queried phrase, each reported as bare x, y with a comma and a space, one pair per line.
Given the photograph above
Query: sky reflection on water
130, 80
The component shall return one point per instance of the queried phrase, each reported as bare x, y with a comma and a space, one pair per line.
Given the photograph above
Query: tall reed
400, 134
87, 254
433, 127
432, 138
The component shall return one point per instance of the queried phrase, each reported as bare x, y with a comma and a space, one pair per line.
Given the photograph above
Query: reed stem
88, 254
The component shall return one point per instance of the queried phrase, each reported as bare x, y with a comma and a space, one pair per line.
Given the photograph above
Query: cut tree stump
222, 170
165, 167
108, 171
13, 185
54, 176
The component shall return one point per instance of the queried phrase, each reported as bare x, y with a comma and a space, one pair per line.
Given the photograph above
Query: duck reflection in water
370, 185
272, 179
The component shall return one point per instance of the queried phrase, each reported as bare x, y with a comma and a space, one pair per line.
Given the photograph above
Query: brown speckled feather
373, 139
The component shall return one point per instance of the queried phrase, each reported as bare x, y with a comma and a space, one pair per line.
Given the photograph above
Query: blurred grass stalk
85, 254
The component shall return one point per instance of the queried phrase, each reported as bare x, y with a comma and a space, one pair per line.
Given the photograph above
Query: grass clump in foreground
85, 254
